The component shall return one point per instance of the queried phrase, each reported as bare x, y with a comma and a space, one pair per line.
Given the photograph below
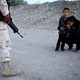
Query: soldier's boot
7, 71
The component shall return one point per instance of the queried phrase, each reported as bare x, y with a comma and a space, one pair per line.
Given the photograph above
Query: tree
16, 2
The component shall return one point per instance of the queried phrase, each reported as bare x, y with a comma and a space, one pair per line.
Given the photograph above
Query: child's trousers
61, 41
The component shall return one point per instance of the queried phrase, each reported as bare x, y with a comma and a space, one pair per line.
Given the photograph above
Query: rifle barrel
20, 34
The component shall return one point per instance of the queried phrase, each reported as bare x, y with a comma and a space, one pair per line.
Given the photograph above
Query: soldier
5, 44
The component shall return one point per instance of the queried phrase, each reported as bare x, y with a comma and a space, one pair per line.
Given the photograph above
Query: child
61, 28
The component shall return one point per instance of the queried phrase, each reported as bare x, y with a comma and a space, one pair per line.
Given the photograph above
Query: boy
61, 28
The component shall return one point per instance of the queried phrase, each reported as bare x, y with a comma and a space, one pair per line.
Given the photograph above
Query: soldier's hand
6, 18
62, 29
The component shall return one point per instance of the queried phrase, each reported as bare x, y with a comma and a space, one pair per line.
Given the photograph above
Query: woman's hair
72, 19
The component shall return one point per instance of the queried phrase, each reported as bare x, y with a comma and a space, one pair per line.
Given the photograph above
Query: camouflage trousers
5, 44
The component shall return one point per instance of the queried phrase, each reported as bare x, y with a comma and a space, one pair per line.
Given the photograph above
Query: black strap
8, 2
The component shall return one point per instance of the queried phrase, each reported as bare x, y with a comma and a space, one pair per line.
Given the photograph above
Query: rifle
11, 24
13, 27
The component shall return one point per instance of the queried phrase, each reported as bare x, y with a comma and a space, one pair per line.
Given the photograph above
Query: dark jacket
75, 30
62, 24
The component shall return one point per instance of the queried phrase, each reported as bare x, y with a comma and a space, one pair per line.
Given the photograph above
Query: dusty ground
35, 54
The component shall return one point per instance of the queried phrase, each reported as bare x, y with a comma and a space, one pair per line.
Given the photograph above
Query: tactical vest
1, 16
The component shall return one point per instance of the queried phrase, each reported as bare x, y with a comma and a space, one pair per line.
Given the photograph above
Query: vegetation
17, 2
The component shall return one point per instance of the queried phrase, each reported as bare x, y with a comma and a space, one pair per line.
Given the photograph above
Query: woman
73, 26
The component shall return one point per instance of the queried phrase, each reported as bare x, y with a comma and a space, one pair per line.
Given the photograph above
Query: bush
16, 2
